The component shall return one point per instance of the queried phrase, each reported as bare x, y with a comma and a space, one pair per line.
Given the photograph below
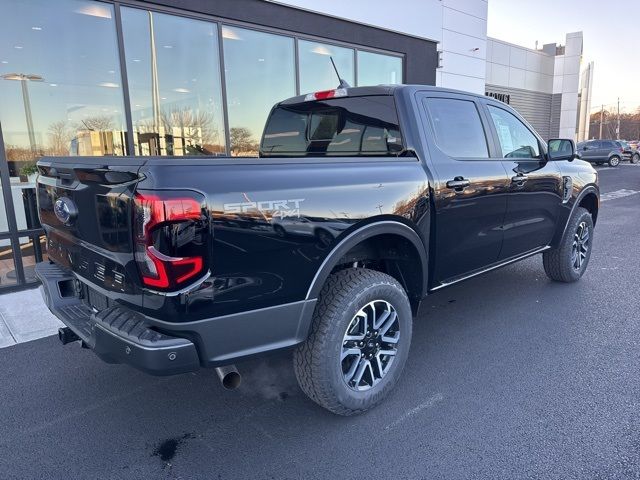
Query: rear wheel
569, 261
359, 342
635, 158
614, 161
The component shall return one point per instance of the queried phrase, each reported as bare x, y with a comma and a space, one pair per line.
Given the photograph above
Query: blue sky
611, 38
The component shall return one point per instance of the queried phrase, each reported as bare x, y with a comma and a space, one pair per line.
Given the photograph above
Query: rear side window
457, 127
349, 126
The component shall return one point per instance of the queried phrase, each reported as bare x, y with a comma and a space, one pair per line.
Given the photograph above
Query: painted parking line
600, 169
605, 197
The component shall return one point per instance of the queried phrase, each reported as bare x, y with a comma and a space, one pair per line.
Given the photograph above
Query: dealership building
198, 77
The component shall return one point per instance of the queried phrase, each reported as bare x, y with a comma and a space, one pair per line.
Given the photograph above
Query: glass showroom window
378, 69
60, 94
60, 91
315, 69
260, 71
175, 89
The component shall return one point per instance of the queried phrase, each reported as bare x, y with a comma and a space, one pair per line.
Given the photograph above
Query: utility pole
618, 127
601, 118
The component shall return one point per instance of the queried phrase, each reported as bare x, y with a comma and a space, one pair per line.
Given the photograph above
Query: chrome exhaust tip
229, 377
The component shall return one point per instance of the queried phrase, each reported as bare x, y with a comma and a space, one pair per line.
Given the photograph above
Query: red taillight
621, 150
326, 94
154, 212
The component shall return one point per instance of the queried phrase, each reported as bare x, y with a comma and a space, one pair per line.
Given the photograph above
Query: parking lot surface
509, 376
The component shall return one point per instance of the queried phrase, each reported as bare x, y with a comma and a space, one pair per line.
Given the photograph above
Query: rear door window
457, 127
349, 126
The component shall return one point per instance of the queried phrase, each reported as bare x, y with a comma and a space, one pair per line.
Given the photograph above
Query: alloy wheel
369, 346
580, 247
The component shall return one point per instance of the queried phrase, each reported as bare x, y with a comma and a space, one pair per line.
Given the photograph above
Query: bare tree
59, 138
197, 128
242, 141
99, 123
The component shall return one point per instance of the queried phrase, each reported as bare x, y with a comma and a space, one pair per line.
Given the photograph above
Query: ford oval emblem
65, 210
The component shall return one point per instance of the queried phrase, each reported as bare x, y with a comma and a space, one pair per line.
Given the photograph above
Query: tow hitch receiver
66, 335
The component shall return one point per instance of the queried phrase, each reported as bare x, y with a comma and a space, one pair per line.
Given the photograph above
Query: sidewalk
24, 317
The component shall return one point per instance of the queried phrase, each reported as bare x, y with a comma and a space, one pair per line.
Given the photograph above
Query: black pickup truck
362, 201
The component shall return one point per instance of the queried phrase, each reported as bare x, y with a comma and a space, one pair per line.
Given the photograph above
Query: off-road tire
317, 361
558, 263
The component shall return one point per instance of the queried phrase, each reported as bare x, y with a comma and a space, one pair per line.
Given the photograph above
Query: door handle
458, 184
519, 179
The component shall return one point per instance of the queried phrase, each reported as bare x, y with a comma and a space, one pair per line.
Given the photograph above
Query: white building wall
568, 67
459, 26
513, 66
463, 45
586, 82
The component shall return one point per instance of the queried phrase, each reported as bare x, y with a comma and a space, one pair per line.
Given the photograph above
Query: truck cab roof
382, 90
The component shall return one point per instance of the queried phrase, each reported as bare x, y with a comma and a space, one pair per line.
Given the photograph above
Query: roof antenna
343, 82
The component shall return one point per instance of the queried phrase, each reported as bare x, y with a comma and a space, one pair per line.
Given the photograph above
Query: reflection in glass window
174, 84
33, 250
316, 71
337, 127
516, 140
260, 71
457, 127
60, 91
378, 69
8, 274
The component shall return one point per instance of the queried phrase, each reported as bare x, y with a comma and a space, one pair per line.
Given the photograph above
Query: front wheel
614, 161
359, 341
635, 158
569, 261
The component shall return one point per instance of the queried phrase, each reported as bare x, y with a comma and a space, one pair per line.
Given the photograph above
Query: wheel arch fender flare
383, 227
588, 190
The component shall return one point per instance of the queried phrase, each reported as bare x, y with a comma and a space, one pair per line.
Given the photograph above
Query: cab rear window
349, 126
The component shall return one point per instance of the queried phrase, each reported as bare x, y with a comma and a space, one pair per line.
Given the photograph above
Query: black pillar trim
10, 213
130, 147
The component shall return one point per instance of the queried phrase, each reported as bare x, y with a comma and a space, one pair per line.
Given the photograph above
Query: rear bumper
116, 334
120, 335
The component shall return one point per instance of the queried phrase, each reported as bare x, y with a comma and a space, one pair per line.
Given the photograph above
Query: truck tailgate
85, 206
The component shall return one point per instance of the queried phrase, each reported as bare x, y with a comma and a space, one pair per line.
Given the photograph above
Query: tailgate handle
55, 173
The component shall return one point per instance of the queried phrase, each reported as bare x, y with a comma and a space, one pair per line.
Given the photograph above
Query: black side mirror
562, 149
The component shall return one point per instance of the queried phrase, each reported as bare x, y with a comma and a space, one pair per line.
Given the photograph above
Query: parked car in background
635, 151
628, 152
324, 229
601, 152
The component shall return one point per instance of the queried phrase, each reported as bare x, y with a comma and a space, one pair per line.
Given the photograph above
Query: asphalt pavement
509, 376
